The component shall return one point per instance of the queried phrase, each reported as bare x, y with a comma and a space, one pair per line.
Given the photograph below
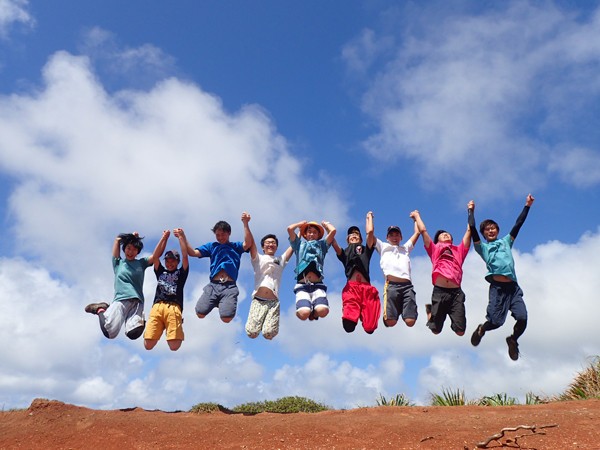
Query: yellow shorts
164, 315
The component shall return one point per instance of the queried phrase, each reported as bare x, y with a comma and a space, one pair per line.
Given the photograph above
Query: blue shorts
505, 297
218, 295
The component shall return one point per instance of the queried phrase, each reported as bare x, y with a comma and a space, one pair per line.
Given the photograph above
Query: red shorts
361, 301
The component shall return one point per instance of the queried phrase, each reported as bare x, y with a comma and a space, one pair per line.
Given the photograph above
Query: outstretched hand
471, 205
245, 217
529, 200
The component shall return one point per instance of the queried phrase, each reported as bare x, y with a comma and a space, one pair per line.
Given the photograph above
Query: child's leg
256, 316
371, 310
207, 301
409, 306
391, 296
270, 327
458, 316
303, 301
155, 326
319, 300
438, 312
174, 323
112, 319
350, 306
228, 302
134, 322
519, 313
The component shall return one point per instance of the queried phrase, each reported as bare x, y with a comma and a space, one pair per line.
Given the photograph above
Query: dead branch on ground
498, 436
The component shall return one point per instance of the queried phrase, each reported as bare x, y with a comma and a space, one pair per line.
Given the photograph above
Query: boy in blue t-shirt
505, 294
225, 257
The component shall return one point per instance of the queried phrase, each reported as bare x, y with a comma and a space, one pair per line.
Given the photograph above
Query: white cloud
580, 166
14, 12
457, 100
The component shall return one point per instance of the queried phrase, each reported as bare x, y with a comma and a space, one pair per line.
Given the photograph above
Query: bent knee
149, 344
174, 344
410, 322
135, 333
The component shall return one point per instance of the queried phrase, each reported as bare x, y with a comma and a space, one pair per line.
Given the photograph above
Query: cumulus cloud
14, 12
457, 97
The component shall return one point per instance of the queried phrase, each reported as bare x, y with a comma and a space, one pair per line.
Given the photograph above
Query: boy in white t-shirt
398, 292
265, 309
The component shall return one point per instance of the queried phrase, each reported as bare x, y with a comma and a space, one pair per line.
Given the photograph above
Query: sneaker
513, 348
477, 335
93, 308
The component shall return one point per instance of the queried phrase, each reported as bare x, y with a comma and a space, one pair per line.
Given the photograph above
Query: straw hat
320, 229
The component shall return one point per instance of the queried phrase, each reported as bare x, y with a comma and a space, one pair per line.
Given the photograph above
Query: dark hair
223, 226
486, 223
130, 238
437, 235
268, 236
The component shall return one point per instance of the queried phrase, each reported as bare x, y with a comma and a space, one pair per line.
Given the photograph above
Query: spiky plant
398, 400
534, 399
498, 400
586, 384
449, 397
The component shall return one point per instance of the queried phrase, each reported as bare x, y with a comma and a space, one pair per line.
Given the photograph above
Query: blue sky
145, 115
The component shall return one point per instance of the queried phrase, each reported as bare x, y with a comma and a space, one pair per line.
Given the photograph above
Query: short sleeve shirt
225, 257
267, 272
169, 287
394, 259
498, 257
447, 260
129, 278
357, 257
308, 252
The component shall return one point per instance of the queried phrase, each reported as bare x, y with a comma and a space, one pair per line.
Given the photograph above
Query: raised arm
370, 230
116, 250
330, 231
521, 219
291, 229
421, 228
471, 221
415, 237
248, 238
336, 247
159, 249
191, 251
180, 235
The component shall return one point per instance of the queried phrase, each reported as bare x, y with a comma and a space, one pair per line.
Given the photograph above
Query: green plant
449, 398
207, 408
284, 405
534, 399
398, 400
586, 384
498, 400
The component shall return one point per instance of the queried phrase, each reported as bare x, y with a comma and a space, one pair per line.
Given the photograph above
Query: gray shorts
218, 295
399, 300
123, 312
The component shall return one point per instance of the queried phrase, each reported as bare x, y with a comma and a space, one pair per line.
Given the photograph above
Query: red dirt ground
50, 424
